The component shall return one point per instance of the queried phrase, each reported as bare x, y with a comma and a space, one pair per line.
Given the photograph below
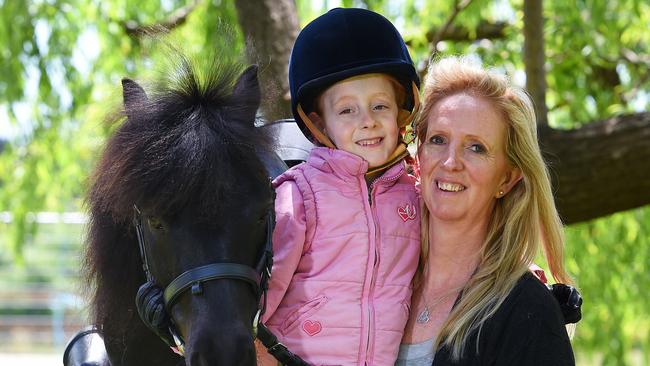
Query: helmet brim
400, 70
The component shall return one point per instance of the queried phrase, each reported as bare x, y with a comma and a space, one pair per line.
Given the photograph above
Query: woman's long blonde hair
523, 220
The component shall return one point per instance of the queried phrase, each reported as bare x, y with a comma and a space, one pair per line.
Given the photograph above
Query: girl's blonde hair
523, 220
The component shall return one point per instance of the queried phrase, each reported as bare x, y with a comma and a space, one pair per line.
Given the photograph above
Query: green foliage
609, 259
65, 62
607, 42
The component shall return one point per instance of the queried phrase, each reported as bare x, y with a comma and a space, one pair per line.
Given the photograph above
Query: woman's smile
449, 186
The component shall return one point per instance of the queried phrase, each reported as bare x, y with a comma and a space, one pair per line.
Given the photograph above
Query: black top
527, 329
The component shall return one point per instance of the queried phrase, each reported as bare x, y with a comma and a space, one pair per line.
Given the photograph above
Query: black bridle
194, 278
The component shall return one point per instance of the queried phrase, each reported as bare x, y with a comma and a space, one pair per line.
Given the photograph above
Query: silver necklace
423, 317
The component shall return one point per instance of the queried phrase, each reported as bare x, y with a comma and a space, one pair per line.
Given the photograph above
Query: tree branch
600, 168
634, 58
460, 33
175, 19
459, 5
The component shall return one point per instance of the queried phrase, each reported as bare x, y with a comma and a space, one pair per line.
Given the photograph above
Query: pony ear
132, 94
247, 90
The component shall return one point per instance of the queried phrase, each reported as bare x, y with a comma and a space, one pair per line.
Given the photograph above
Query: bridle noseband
194, 278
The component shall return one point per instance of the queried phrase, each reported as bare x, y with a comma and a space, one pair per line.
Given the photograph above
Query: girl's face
463, 164
360, 116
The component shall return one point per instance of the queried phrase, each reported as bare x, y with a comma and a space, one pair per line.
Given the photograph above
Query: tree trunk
270, 28
534, 57
601, 168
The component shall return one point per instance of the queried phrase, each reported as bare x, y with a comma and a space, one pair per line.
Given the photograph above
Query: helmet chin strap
315, 131
405, 117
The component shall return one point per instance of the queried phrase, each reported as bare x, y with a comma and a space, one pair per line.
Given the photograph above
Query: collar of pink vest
346, 164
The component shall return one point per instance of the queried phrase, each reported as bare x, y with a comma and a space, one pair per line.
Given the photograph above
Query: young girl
346, 240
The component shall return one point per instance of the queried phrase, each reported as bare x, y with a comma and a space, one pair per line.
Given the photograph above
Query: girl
346, 240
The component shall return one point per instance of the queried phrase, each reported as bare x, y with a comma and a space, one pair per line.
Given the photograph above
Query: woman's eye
477, 148
437, 140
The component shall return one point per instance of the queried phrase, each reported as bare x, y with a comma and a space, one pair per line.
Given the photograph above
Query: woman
487, 209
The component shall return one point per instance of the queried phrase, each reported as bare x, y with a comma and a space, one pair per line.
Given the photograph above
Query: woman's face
463, 163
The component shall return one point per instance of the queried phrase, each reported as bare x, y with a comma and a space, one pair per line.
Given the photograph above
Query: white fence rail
41, 305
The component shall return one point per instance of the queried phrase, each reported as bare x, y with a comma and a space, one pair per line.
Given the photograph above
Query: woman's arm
528, 329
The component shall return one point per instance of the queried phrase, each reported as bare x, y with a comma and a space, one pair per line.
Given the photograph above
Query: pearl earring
500, 193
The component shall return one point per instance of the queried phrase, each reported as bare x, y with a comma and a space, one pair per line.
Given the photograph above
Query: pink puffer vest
344, 260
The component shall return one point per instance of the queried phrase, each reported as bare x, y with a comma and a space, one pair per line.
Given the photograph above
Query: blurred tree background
585, 63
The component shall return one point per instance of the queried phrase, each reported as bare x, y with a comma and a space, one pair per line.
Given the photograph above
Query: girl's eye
346, 111
381, 107
437, 140
478, 148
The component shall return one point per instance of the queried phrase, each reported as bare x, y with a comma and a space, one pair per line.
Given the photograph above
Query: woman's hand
570, 302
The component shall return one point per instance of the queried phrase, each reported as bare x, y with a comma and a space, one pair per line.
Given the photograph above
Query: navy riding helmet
343, 43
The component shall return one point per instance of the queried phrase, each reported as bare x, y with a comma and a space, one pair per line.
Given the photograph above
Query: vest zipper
371, 292
375, 262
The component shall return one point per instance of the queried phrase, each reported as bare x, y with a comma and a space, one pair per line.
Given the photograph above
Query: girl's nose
367, 120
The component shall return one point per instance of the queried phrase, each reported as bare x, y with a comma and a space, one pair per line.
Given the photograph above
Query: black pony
187, 162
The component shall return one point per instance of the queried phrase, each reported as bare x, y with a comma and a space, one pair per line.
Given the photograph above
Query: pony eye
155, 223
262, 218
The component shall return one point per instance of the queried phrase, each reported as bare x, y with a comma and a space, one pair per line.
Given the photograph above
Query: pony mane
167, 152
178, 147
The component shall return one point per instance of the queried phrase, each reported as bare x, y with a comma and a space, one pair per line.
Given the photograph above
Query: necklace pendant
423, 317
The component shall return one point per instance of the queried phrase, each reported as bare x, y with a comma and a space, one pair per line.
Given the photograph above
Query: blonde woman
487, 210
